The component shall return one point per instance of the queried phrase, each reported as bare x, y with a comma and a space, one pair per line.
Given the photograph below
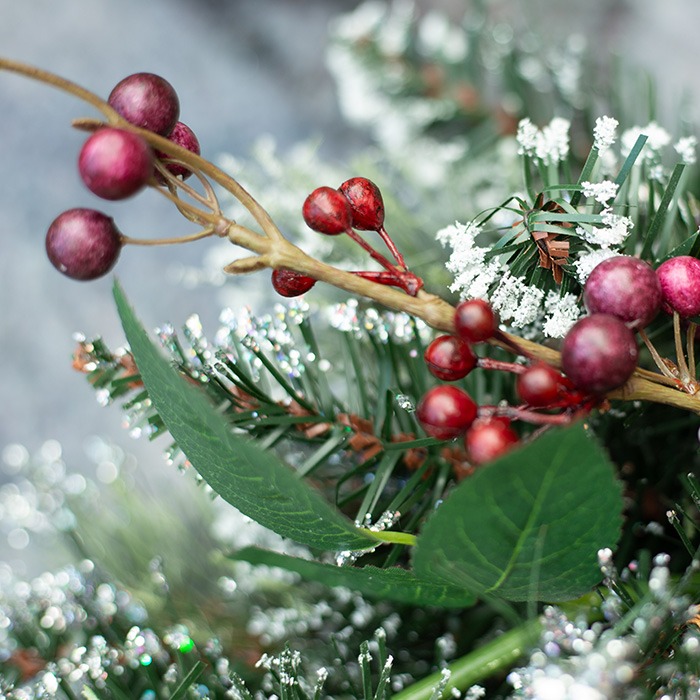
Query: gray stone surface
241, 69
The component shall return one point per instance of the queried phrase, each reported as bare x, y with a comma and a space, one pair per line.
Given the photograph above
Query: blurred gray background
242, 68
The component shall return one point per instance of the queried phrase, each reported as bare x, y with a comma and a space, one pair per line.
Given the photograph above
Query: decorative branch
277, 252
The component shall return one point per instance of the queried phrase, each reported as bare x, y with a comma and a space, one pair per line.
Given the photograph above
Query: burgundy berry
539, 385
148, 101
183, 136
680, 284
625, 287
488, 439
327, 211
599, 354
445, 412
115, 164
366, 202
83, 243
291, 284
475, 321
449, 358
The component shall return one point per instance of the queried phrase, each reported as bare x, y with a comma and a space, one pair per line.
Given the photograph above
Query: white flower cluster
657, 139
604, 133
473, 274
561, 312
585, 262
612, 233
685, 147
516, 301
602, 192
550, 144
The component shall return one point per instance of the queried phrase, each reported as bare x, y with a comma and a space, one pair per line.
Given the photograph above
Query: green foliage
528, 526
250, 478
393, 583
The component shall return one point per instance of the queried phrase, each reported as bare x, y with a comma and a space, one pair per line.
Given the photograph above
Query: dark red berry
83, 243
475, 321
539, 385
488, 439
599, 354
115, 164
680, 284
445, 412
183, 136
148, 101
327, 211
624, 287
449, 358
291, 284
366, 202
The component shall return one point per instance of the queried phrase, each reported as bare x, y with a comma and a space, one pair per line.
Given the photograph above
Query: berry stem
392, 248
407, 280
372, 252
680, 354
690, 338
500, 365
173, 183
523, 414
658, 360
209, 231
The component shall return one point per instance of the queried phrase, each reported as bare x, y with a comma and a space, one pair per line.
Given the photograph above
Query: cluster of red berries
446, 412
356, 204
599, 353
115, 164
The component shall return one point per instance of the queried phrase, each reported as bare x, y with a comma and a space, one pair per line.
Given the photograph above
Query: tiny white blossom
554, 146
550, 145
602, 192
613, 232
604, 133
657, 138
585, 262
527, 137
529, 307
561, 312
474, 276
685, 148
517, 301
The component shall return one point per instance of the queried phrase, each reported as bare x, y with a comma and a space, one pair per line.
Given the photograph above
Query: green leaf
658, 220
395, 584
251, 479
528, 526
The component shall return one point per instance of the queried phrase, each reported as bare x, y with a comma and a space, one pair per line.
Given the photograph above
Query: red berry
115, 164
449, 358
539, 385
291, 284
475, 321
148, 101
624, 287
445, 412
183, 136
488, 439
366, 202
327, 211
599, 354
680, 284
83, 243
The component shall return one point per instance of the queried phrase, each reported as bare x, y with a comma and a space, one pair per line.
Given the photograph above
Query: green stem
391, 536
498, 655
